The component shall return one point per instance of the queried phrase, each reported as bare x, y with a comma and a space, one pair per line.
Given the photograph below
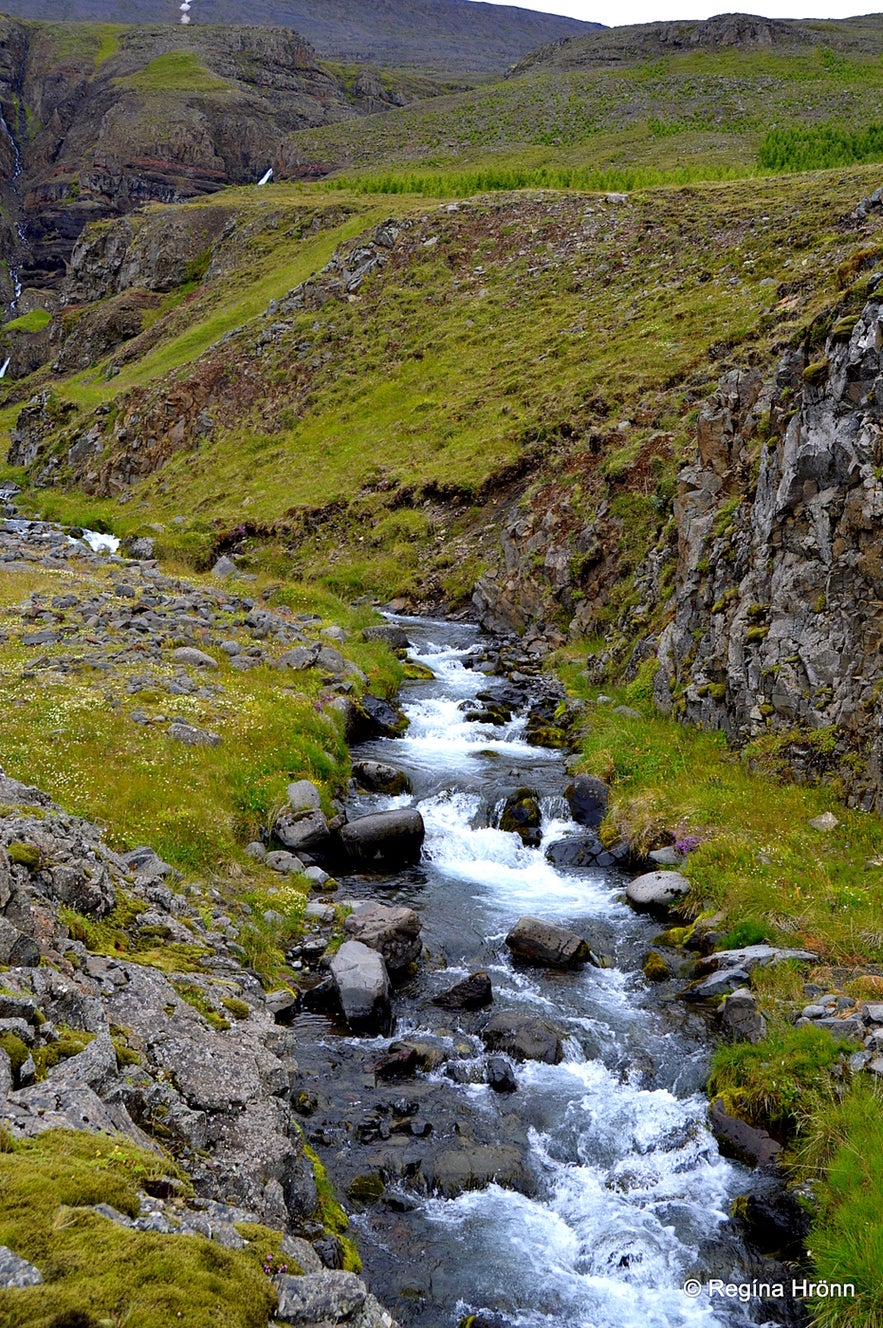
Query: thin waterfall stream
610, 1191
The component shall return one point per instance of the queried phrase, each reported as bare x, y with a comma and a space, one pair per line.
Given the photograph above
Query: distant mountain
447, 35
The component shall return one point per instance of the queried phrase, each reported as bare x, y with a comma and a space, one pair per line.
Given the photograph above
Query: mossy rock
24, 855
417, 672
17, 1051
816, 372
717, 690
655, 968
366, 1189
546, 735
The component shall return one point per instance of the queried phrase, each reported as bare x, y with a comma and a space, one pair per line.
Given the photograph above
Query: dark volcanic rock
378, 777
587, 799
362, 984
471, 993
521, 815
739, 1140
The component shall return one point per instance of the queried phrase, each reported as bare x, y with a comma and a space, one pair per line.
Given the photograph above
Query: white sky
649, 11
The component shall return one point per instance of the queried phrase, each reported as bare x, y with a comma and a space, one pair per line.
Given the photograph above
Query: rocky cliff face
779, 603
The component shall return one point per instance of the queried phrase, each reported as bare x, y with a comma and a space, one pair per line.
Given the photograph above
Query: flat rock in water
548, 946
378, 777
657, 889
359, 974
475, 1166
472, 993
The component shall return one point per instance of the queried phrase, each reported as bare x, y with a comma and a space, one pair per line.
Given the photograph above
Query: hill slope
448, 35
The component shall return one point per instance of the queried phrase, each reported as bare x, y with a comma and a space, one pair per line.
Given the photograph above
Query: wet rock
774, 1221
737, 1139
521, 815
384, 839
740, 1017
655, 969
472, 993
657, 891
523, 1037
395, 932
587, 851
587, 799
400, 1062
542, 943
475, 1166
378, 777
360, 977
373, 717
17, 1272
500, 1075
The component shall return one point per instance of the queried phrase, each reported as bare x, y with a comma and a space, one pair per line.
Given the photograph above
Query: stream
622, 1193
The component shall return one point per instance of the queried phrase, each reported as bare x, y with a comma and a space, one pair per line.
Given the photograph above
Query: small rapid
627, 1195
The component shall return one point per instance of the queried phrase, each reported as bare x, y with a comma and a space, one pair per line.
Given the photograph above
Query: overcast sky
647, 11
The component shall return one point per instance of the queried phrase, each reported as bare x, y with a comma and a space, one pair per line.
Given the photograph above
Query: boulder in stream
523, 1037
384, 839
378, 777
547, 946
587, 799
471, 993
657, 890
360, 976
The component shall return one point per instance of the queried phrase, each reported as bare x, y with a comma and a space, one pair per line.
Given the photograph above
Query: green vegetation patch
819, 147
98, 1269
175, 71
35, 321
754, 858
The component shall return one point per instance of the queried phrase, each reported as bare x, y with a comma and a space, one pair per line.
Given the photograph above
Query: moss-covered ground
97, 1272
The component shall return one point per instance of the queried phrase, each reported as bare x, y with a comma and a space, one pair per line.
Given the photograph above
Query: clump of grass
775, 1083
95, 1268
842, 1152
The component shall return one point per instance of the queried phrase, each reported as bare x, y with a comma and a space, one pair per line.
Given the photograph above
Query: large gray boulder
384, 839
326, 1298
657, 891
548, 946
523, 1037
393, 636
360, 977
394, 932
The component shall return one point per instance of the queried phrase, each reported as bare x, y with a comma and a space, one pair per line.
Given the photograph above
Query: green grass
105, 1272
175, 71
35, 321
843, 1155
130, 776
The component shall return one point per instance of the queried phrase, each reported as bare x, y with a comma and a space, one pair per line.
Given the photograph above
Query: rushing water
630, 1194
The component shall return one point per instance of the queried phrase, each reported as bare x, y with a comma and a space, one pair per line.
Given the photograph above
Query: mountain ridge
453, 36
